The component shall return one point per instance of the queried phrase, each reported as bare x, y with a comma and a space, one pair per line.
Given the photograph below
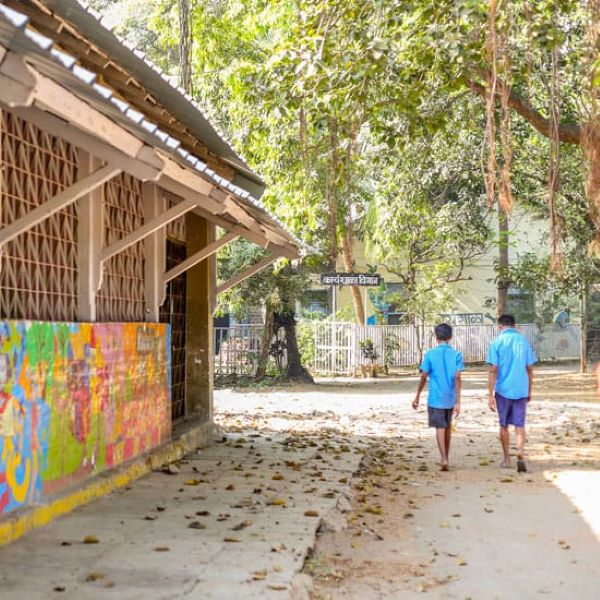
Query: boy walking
510, 378
442, 365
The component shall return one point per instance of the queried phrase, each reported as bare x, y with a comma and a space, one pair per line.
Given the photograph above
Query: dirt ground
476, 532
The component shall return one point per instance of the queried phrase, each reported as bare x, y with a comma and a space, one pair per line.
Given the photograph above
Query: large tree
277, 290
309, 88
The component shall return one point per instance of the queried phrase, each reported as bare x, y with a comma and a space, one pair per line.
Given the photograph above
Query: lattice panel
175, 229
121, 296
39, 267
174, 312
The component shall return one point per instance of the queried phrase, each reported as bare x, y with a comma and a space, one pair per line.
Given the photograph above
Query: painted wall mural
76, 399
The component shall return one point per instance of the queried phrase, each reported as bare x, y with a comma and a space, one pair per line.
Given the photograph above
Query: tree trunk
502, 285
359, 309
331, 193
185, 45
583, 344
295, 370
267, 336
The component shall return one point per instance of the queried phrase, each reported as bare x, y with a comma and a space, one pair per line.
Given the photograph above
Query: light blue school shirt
442, 363
512, 354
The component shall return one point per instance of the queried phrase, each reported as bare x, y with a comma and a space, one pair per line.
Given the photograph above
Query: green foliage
279, 287
391, 345
306, 342
428, 219
368, 350
364, 109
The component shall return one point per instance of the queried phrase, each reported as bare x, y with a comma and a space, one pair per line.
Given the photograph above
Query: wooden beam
185, 176
58, 202
90, 229
236, 211
155, 247
139, 234
199, 256
259, 266
53, 97
17, 83
146, 166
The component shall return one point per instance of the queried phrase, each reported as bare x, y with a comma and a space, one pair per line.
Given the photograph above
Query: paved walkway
232, 521
235, 521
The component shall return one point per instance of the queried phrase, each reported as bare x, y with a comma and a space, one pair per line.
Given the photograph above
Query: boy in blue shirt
510, 359
442, 366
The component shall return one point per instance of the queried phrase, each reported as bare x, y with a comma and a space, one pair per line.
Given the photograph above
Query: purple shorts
511, 412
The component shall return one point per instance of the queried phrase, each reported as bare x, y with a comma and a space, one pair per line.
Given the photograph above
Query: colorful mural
76, 399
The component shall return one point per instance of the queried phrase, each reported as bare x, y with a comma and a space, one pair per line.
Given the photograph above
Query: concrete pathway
235, 520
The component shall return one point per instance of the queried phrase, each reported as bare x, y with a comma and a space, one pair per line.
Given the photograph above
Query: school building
116, 193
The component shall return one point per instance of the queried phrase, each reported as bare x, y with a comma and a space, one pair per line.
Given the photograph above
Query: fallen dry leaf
95, 576
231, 540
91, 539
374, 510
162, 549
311, 513
277, 502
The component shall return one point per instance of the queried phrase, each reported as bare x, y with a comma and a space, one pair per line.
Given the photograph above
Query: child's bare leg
520, 442
440, 435
448, 435
504, 440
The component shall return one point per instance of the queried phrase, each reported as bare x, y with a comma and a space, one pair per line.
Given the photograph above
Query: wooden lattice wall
39, 267
175, 229
38, 270
121, 295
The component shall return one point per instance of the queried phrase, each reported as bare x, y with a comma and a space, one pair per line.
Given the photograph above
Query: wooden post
90, 232
154, 253
199, 332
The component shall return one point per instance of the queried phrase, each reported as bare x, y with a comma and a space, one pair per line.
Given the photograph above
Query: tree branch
569, 133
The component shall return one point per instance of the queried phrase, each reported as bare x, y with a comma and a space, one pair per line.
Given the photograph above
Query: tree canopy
384, 118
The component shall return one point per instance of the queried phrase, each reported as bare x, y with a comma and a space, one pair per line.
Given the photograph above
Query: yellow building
474, 299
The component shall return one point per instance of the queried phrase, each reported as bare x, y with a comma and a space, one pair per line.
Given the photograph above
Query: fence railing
237, 349
333, 348
336, 346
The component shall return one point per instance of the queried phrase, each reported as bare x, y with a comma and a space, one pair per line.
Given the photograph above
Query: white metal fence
334, 348
237, 349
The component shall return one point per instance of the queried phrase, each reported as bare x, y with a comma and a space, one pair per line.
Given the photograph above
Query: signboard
361, 279
463, 318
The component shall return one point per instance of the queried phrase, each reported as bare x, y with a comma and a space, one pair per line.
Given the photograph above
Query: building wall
528, 234
77, 399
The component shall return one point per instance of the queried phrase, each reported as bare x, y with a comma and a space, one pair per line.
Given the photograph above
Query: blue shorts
511, 412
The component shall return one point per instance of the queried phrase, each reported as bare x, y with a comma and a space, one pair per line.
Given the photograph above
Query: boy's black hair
506, 320
443, 332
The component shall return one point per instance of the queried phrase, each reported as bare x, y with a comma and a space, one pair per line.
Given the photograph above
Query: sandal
521, 466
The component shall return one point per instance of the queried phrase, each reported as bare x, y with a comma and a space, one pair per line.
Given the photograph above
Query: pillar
201, 285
